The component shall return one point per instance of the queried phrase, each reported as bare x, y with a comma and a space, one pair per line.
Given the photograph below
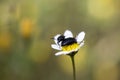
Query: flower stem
73, 65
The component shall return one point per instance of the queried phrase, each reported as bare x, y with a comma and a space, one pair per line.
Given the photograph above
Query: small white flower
67, 44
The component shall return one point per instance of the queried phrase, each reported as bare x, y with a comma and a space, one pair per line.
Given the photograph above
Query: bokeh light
26, 27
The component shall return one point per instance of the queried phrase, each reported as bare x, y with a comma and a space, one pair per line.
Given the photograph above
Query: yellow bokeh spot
5, 41
70, 47
80, 62
102, 9
26, 27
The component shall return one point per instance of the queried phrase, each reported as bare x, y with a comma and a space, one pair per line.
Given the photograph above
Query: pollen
70, 47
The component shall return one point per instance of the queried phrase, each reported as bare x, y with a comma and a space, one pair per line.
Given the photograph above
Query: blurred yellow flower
26, 27
5, 40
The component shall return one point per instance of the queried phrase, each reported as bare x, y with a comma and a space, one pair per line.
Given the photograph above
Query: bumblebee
68, 44
66, 41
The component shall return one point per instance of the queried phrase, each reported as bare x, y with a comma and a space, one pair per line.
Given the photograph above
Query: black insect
66, 41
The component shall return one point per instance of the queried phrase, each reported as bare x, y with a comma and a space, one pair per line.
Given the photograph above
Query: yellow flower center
70, 47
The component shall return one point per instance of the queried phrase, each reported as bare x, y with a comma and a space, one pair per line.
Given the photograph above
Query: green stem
73, 65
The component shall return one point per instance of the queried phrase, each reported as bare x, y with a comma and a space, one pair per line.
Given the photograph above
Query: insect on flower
67, 44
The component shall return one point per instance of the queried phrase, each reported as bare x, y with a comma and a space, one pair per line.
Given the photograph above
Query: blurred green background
26, 29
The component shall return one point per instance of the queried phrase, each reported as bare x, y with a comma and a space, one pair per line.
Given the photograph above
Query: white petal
68, 34
55, 41
61, 52
66, 52
54, 46
55, 38
81, 44
80, 37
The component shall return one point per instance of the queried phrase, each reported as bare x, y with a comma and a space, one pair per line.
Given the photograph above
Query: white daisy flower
67, 44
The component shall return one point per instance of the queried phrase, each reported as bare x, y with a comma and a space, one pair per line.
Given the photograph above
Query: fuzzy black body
66, 41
